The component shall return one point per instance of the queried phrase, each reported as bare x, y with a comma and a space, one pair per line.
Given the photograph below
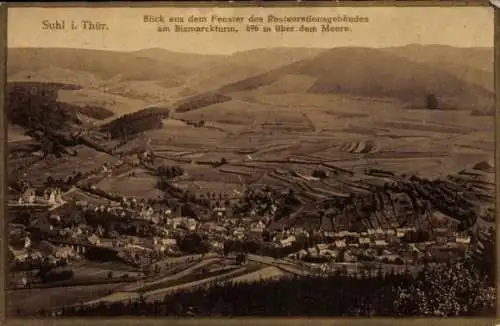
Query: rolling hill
245, 64
34, 106
187, 60
373, 73
125, 82
477, 69
119, 83
105, 65
478, 58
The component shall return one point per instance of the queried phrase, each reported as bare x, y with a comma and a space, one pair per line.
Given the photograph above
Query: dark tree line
137, 122
439, 290
35, 107
63, 184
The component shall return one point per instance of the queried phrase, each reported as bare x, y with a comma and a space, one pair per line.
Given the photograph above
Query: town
252, 181
54, 231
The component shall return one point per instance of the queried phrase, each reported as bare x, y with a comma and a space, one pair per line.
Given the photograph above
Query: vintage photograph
273, 161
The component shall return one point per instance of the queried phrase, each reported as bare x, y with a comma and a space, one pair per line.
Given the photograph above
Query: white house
94, 239
462, 239
364, 241
27, 242
329, 253
286, 242
340, 243
400, 233
380, 243
322, 246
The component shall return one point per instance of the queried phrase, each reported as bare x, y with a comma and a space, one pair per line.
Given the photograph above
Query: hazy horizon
253, 49
463, 27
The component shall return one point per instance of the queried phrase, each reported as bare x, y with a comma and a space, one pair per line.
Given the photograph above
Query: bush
319, 174
431, 102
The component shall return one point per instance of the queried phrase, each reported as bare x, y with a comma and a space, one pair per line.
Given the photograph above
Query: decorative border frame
123, 321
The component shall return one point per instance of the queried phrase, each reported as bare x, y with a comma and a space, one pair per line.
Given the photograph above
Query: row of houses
399, 232
50, 197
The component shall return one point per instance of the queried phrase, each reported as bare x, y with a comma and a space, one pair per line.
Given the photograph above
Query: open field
189, 278
118, 104
394, 137
80, 195
16, 133
352, 132
29, 301
170, 276
94, 273
86, 160
114, 266
265, 273
141, 185
220, 277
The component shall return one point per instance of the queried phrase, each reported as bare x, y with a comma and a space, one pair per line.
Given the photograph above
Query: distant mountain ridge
135, 80
375, 73
477, 68
104, 64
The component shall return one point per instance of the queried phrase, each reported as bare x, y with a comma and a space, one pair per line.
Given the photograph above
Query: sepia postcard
230, 160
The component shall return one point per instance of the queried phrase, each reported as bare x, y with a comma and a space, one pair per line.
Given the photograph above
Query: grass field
141, 185
80, 195
265, 273
95, 97
88, 272
350, 132
193, 277
16, 133
30, 301
87, 160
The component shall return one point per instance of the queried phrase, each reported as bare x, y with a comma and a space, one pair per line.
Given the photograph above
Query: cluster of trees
448, 201
34, 106
30, 264
431, 102
321, 174
169, 172
417, 236
200, 101
101, 193
484, 256
49, 274
446, 290
105, 223
265, 248
197, 124
193, 243
96, 112
415, 198
137, 122
63, 184
221, 162
262, 202
164, 185
115, 224
439, 290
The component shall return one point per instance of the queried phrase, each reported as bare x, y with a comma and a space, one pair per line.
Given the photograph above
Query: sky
387, 27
